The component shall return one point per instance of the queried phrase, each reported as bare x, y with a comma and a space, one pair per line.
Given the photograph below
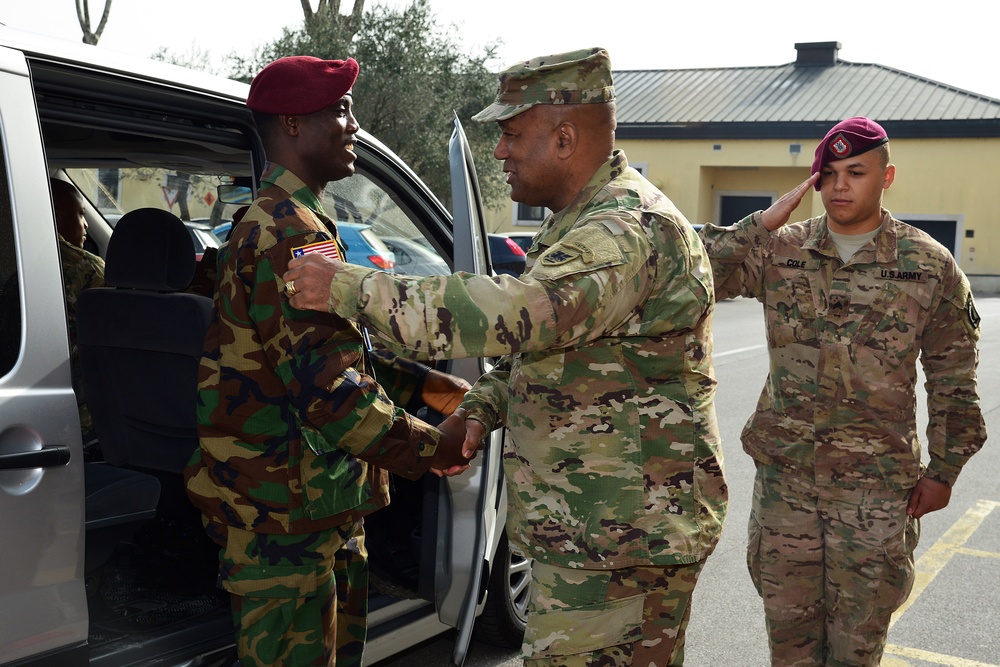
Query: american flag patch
328, 248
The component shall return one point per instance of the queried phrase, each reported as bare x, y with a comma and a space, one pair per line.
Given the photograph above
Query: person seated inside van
80, 269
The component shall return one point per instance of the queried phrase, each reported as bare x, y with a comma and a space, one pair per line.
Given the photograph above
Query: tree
83, 16
195, 58
414, 78
329, 11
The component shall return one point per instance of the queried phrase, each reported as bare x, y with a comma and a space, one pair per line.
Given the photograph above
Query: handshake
460, 439
460, 436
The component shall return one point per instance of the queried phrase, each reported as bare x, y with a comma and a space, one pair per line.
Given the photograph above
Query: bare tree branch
83, 16
104, 20
328, 12
307, 11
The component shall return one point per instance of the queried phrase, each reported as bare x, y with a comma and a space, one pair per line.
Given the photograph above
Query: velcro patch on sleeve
582, 250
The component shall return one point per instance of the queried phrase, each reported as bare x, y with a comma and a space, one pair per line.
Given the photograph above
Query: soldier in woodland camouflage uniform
81, 270
296, 435
615, 480
851, 298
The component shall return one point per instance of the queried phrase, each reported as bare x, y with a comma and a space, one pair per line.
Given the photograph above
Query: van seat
140, 340
118, 501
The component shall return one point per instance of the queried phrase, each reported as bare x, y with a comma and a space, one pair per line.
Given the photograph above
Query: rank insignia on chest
557, 257
328, 248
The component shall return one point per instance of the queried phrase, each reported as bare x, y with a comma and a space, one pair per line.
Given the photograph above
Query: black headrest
150, 249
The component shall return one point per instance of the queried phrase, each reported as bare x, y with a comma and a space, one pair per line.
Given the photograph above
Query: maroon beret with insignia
850, 137
300, 85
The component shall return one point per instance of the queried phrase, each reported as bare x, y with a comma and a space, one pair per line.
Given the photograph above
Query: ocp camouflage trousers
297, 600
619, 618
831, 565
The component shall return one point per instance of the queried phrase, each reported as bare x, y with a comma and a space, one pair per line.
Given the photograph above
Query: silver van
103, 561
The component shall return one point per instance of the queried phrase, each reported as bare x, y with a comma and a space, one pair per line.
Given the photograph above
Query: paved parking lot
952, 614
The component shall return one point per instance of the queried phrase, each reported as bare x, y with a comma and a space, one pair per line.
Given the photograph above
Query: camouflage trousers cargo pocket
617, 618
891, 565
564, 632
298, 600
831, 565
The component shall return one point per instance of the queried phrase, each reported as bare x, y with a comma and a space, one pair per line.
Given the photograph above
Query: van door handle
46, 457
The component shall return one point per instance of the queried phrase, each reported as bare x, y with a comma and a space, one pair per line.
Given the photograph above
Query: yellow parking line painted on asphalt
977, 553
927, 656
934, 559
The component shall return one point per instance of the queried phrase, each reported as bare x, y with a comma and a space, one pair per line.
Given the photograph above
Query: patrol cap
848, 138
301, 85
574, 77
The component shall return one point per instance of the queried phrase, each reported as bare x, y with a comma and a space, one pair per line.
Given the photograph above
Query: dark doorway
943, 231
733, 208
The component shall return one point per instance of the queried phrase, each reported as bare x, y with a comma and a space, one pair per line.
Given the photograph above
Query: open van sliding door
43, 604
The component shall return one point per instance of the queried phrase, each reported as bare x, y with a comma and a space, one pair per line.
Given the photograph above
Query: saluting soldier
296, 436
614, 471
851, 299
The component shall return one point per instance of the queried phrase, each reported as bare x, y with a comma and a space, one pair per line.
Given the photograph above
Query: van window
190, 196
370, 220
10, 301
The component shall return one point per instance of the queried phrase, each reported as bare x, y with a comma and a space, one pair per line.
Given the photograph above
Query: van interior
150, 568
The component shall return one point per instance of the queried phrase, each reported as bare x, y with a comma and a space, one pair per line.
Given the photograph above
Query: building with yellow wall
722, 143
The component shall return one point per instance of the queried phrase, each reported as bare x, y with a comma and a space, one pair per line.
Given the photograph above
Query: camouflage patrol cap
575, 77
848, 138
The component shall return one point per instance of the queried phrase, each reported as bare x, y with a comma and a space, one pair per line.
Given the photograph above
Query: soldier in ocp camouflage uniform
81, 270
851, 298
615, 480
296, 436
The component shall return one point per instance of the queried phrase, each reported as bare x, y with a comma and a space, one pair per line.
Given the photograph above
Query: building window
529, 215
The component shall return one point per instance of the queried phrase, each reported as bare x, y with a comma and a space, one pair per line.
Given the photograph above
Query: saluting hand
780, 211
307, 281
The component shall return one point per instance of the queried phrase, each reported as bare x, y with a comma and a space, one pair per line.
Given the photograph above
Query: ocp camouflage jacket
839, 403
608, 392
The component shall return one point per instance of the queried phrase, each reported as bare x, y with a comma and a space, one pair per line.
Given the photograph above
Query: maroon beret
300, 85
850, 137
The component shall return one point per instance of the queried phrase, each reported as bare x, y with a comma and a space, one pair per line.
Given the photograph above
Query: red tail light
382, 262
514, 248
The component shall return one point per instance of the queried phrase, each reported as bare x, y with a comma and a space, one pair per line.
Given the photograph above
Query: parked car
414, 258
506, 256
104, 560
522, 239
364, 247
222, 230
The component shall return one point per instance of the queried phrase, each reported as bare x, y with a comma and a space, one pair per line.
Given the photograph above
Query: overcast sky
953, 42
